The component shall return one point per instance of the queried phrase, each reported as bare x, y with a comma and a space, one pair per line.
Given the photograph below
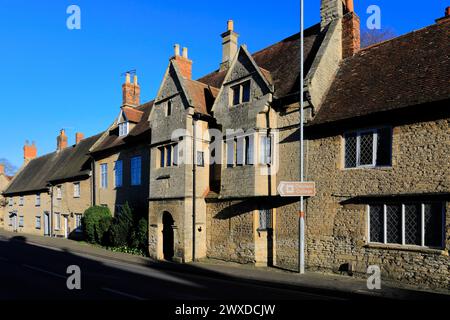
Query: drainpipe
194, 168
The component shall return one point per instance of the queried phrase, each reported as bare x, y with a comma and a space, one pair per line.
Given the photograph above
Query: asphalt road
29, 271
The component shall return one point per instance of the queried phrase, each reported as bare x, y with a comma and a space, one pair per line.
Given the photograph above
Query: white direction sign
297, 189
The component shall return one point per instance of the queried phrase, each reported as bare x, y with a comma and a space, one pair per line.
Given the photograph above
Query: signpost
297, 189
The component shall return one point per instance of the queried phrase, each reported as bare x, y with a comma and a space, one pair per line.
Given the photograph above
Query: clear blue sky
53, 78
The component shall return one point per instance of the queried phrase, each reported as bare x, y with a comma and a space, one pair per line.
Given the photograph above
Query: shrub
96, 222
121, 227
139, 236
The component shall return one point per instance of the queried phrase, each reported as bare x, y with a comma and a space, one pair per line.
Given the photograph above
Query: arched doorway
167, 232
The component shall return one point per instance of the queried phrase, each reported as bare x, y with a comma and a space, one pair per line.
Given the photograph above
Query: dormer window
240, 93
123, 128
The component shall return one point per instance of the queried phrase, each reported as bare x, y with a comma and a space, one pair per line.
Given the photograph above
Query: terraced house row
204, 158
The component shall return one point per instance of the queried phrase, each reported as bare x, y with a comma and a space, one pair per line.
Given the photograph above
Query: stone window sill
382, 168
411, 248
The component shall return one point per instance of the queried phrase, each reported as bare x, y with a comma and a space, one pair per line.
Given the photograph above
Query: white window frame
265, 149
136, 171
76, 190
104, 175
21, 201
38, 200
422, 218
21, 221
358, 134
10, 201
38, 222
124, 128
59, 192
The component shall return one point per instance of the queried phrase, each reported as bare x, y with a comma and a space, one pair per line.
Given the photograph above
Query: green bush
96, 222
139, 236
121, 227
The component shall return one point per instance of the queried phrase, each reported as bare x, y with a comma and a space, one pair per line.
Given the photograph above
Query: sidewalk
320, 283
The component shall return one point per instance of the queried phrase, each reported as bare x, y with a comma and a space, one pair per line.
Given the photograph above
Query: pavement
35, 267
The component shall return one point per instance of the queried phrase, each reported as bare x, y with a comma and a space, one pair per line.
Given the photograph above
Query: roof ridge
408, 34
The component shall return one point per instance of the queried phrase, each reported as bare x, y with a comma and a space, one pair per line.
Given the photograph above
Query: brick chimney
445, 18
229, 45
61, 141
183, 63
2, 169
78, 137
131, 92
351, 31
29, 151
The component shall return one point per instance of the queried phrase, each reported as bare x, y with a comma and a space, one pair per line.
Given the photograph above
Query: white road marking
44, 271
122, 294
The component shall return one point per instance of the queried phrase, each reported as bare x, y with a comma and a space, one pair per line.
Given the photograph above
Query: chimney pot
135, 80
447, 12
2, 168
185, 52
176, 49
127, 78
78, 137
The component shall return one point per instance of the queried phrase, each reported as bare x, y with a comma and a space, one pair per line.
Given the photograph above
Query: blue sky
53, 77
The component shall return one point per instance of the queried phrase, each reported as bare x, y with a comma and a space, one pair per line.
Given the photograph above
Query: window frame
124, 128
21, 221
10, 201
58, 192
21, 201
375, 137
117, 175
136, 172
76, 190
240, 91
103, 175
78, 226
403, 204
38, 225
38, 200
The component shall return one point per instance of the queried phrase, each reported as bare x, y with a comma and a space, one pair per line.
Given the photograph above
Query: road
30, 271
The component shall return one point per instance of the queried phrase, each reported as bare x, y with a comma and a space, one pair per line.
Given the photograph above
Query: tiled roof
132, 114
70, 163
406, 71
202, 95
112, 139
281, 61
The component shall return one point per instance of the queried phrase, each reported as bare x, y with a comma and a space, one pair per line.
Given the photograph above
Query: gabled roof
280, 62
111, 138
70, 163
132, 114
410, 70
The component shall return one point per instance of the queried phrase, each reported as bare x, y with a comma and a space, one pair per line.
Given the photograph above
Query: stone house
180, 120
121, 155
379, 152
4, 181
49, 194
379, 160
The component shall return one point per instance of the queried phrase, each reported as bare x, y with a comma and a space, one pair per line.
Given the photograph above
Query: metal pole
301, 221
194, 151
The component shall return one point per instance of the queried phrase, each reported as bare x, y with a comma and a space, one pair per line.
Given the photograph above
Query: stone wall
337, 233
